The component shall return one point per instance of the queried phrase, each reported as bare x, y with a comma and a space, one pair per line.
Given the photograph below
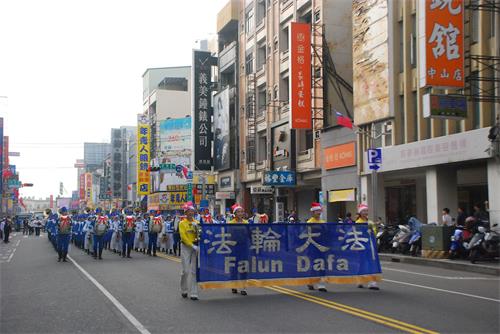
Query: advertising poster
221, 128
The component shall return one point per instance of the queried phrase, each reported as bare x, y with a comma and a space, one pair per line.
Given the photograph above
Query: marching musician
128, 227
100, 228
155, 227
117, 233
63, 234
88, 229
188, 229
239, 214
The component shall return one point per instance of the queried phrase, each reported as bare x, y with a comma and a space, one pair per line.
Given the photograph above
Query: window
377, 141
413, 42
261, 100
284, 39
262, 148
249, 63
309, 139
474, 21
249, 22
284, 89
261, 57
401, 46
261, 11
493, 23
476, 112
402, 126
415, 115
317, 16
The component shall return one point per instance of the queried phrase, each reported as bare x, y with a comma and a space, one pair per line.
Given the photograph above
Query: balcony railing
227, 56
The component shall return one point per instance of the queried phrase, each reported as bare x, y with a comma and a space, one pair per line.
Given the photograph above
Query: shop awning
346, 195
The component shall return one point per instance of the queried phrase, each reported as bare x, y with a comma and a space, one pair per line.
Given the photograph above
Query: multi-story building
119, 160
226, 107
267, 141
94, 154
429, 161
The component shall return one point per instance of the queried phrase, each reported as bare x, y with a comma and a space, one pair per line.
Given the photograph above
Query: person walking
363, 219
7, 228
128, 227
239, 214
316, 210
63, 234
446, 219
188, 230
100, 229
155, 227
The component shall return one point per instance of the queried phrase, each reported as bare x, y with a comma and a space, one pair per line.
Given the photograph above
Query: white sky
72, 70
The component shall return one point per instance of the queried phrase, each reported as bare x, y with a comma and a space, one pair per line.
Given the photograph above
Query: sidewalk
488, 268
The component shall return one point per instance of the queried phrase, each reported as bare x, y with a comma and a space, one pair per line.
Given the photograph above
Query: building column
441, 186
494, 191
421, 200
366, 195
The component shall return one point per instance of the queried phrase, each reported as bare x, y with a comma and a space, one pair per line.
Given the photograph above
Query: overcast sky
72, 70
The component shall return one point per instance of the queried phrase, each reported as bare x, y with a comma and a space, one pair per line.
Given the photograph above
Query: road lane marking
443, 290
18, 242
408, 328
388, 322
140, 327
11, 255
443, 277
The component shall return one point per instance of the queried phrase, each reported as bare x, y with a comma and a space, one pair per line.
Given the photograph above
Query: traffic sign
374, 158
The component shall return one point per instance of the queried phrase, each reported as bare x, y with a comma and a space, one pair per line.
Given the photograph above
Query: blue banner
239, 255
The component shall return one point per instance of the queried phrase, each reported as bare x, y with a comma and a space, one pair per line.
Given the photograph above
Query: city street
116, 295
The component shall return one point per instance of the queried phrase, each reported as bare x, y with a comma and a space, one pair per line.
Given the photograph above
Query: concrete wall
153, 76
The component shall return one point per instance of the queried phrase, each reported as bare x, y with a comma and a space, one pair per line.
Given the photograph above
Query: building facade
267, 141
429, 161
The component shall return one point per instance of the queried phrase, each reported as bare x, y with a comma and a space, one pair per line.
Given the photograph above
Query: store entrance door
400, 202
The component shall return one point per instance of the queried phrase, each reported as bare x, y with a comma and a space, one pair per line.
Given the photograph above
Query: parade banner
1, 157
143, 155
300, 76
244, 255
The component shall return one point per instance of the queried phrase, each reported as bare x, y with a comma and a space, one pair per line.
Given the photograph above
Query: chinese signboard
261, 190
444, 106
88, 187
279, 178
202, 109
340, 156
81, 184
233, 256
300, 76
442, 43
143, 155
175, 137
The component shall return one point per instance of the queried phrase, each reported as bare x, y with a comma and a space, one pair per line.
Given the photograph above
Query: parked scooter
415, 241
385, 235
457, 248
484, 245
401, 239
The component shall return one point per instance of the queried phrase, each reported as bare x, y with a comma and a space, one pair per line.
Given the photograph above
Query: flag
343, 120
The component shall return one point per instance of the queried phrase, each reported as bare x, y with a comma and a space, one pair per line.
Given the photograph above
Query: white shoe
373, 285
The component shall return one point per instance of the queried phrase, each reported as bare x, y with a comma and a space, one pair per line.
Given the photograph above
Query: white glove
195, 248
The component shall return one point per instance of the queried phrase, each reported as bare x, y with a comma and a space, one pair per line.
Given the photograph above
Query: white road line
11, 255
18, 242
25, 236
443, 277
442, 290
140, 327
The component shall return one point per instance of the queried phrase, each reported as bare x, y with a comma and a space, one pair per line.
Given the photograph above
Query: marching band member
239, 214
88, 229
316, 219
140, 237
100, 229
188, 230
168, 229
363, 218
155, 227
116, 236
128, 227
63, 234
206, 218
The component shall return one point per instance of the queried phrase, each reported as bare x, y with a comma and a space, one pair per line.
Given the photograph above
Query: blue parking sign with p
375, 156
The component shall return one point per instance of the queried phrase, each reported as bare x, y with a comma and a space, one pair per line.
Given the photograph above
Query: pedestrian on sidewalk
188, 229
447, 220
6, 229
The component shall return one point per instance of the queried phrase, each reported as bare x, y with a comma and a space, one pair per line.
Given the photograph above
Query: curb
445, 264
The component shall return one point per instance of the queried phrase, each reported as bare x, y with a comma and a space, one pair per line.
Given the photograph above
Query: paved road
39, 295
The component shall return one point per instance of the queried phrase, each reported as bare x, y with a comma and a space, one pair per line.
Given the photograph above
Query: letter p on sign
375, 156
